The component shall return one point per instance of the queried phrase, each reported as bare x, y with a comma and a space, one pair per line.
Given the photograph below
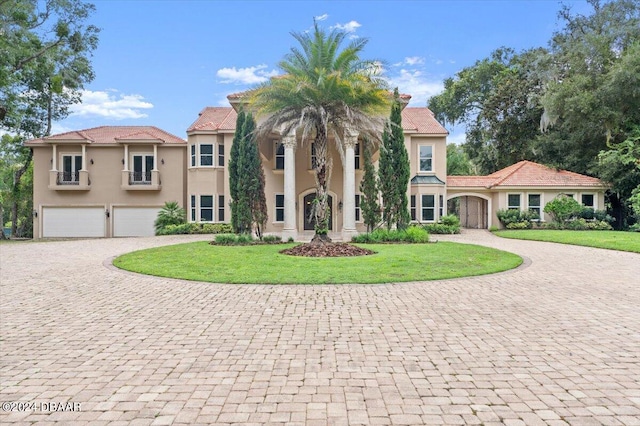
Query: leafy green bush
507, 217
196, 228
171, 214
441, 228
271, 239
519, 225
450, 220
563, 208
413, 234
233, 239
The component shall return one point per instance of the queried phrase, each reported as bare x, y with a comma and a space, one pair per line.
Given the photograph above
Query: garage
78, 222
134, 221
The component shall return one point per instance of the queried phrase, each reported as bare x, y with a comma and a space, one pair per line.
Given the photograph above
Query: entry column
290, 229
349, 185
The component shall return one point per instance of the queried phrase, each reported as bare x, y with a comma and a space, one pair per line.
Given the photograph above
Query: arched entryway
308, 220
473, 210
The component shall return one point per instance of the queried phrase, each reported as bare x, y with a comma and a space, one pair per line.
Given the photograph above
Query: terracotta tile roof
112, 135
421, 120
418, 120
215, 118
526, 173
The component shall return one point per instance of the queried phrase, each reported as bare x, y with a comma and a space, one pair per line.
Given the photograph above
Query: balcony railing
68, 178
140, 178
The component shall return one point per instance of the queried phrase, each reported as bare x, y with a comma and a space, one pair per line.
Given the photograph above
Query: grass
201, 261
612, 240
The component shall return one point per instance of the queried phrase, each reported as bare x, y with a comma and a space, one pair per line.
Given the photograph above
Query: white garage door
73, 222
134, 221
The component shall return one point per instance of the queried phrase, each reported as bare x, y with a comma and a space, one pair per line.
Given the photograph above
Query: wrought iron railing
139, 178
68, 178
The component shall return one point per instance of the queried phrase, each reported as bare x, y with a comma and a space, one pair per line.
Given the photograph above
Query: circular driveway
556, 342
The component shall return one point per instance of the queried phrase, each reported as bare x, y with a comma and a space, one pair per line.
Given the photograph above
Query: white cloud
349, 27
414, 60
108, 104
249, 75
322, 17
57, 128
414, 83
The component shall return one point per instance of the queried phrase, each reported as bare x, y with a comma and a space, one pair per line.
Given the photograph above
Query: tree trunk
17, 176
321, 209
2, 234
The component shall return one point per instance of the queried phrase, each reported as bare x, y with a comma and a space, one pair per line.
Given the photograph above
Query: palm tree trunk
321, 209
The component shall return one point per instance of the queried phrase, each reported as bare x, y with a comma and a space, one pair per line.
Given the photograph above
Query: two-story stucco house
111, 181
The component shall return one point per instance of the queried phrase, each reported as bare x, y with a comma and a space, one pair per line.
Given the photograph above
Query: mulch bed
327, 250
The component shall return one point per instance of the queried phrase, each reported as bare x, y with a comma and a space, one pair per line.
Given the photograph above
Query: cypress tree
254, 181
369, 192
243, 186
234, 159
394, 170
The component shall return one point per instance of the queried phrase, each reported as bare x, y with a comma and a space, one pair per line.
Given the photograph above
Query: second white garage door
134, 221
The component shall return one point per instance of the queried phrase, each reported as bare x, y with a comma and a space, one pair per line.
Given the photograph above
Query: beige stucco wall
499, 198
439, 144
105, 175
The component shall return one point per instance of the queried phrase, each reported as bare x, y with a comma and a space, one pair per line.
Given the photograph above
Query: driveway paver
556, 342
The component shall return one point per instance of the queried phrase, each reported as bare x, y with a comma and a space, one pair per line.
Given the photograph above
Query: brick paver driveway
556, 342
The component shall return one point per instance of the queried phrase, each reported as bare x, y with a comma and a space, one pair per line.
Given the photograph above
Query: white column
349, 186
54, 159
84, 157
290, 229
126, 158
155, 157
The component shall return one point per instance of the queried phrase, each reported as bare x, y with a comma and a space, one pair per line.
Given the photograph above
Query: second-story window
279, 155
142, 167
206, 155
193, 155
221, 155
356, 152
426, 158
71, 166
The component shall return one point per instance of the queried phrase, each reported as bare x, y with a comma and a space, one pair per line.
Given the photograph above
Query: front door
309, 220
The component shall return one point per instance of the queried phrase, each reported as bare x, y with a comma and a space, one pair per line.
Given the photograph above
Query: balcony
69, 181
141, 181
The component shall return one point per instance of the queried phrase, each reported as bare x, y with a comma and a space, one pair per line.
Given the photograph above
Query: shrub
441, 228
233, 239
450, 220
563, 208
271, 239
413, 234
519, 225
507, 217
171, 214
493, 228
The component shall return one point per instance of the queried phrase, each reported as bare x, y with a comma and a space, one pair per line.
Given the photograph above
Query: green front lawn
613, 240
262, 264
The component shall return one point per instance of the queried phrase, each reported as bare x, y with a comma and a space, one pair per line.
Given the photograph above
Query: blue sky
160, 62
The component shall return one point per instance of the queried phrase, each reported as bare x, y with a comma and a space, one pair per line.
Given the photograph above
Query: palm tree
324, 91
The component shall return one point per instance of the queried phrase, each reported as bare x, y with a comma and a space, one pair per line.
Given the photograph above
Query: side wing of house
107, 181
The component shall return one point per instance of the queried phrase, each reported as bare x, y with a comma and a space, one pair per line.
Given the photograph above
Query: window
588, 200
441, 205
193, 155
513, 202
413, 207
220, 208
534, 201
279, 156
357, 207
356, 153
71, 165
314, 158
279, 208
206, 155
142, 166
428, 207
193, 208
206, 208
220, 155
426, 158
